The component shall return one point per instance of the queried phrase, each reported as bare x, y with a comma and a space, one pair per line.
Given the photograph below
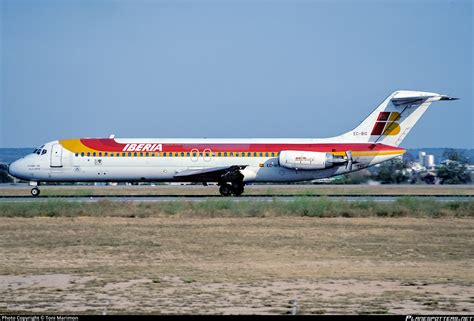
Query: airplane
231, 163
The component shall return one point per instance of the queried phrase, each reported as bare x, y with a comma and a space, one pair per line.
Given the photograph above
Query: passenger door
56, 156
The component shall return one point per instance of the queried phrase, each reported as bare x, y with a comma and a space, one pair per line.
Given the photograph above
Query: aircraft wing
212, 174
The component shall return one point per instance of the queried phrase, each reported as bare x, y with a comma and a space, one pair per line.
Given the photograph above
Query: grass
300, 207
207, 258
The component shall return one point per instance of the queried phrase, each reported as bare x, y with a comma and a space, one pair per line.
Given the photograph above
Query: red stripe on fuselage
110, 145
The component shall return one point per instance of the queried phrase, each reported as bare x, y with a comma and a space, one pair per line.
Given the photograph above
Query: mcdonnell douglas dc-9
231, 163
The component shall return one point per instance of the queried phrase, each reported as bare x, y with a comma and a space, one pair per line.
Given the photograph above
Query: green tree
454, 155
454, 169
393, 172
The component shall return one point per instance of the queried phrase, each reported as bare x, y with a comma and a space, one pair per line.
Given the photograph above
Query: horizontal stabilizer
448, 98
406, 98
409, 100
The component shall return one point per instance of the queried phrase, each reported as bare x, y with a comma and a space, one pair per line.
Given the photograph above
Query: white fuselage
60, 164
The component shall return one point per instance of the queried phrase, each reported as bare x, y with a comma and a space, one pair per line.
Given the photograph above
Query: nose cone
15, 169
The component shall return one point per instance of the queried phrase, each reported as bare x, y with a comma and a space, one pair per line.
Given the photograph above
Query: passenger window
106, 154
146, 154
254, 154
182, 154
219, 154
129, 154
77, 154
188, 153
88, 154
82, 154
93, 154
225, 154
135, 154
100, 153
266, 154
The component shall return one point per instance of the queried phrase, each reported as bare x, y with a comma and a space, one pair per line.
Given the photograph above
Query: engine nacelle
305, 160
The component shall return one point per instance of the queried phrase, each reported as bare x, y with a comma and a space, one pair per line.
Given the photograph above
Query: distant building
429, 161
421, 157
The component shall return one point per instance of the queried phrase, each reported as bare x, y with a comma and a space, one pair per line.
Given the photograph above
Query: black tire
225, 190
238, 190
35, 191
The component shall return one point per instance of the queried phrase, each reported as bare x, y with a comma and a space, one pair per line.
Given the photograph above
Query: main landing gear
234, 189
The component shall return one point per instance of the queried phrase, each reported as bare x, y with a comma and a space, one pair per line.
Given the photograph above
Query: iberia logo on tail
386, 124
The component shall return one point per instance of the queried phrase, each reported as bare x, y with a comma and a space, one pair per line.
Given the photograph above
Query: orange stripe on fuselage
75, 146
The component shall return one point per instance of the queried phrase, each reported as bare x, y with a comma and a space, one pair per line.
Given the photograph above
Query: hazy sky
229, 68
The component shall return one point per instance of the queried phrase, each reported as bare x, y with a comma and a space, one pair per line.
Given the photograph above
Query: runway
197, 193
244, 198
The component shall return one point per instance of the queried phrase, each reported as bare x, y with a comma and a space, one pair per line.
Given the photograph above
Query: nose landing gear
35, 191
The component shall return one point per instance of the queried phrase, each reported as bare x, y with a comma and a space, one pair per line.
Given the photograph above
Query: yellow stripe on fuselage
372, 153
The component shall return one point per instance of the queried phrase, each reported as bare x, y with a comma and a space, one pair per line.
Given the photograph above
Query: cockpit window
44, 151
37, 151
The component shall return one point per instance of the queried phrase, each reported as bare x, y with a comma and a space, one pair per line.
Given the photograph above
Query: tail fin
393, 119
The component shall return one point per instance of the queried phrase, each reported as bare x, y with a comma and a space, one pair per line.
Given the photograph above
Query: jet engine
308, 160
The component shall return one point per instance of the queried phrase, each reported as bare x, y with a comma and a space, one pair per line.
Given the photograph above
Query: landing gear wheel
35, 191
225, 190
238, 190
